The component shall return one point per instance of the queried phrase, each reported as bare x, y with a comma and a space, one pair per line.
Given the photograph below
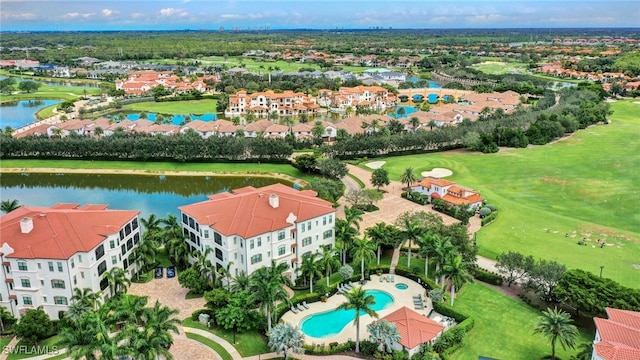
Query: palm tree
442, 249
384, 333
408, 177
585, 352
76, 310
358, 300
284, 338
310, 268
378, 234
8, 206
87, 296
267, 287
363, 250
204, 266
178, 251
240, 282
117, 280
98, 132
145, 254
160, 318
426, 248
412, 231
455, 269
226, 273
328, 261
415, 122
127, 309
152, 228
88, 336
557, 326
344, 237
171, 228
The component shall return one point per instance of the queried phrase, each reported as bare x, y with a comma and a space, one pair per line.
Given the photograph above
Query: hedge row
453, 338
486, 276
489, 219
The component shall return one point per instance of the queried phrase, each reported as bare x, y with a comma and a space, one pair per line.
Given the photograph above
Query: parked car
171, 271
159, 273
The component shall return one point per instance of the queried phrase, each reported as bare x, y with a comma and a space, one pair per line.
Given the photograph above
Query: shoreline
149, 173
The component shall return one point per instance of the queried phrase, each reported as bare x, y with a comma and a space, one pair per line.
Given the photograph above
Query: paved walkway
12, 344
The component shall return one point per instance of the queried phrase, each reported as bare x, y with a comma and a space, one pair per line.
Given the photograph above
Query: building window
281, 235
112, 244
330, 219
75, 280
60, 300
327, 234
206, 234
82, 274
60, 268
241, 260
309, 225
136, 238
80, 258
73, 264
192, 223
217, 238
102, 268
99, 252
123, 249
26, 283
50, 266
44, 299
127, 229
129, 244
251, 244
307, 254
27, 300
219, 254
324, 220
306, 241
302, 227
57, 284
114, 260
256, 258
22, 265
39, 266
281, 250
259, 242
121, 234
184, 219
134, 223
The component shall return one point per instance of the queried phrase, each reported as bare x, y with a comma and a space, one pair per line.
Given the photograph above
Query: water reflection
148, 193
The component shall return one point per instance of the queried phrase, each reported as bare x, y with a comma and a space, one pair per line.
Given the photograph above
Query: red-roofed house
47, 252
618, 337
253, 226
415, 329
449, 192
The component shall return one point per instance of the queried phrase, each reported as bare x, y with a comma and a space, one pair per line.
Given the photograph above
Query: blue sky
60, 15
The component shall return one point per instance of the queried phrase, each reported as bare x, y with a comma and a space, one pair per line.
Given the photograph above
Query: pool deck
400, 297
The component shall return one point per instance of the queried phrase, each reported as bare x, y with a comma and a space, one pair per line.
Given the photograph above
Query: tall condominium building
250, 227
46, 252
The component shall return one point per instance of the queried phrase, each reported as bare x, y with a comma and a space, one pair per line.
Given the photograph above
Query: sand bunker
375, 164
438, 172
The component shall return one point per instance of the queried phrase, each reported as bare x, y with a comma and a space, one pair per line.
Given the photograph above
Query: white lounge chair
293, 310
304, 303
299, 306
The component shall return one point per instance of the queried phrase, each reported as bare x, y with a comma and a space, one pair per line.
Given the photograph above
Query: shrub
491, 207
484, 211
486, 276
489, 219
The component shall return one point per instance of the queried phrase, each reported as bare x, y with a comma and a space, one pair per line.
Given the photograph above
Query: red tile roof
619, 335
428, 181
61, 230
246, 212
414, 329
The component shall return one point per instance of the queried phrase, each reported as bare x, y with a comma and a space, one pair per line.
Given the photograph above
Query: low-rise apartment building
249, 227
47, 252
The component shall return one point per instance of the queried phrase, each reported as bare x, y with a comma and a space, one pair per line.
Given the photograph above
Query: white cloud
77, 15
232, 16
20, 16
173, 12
108, 12
488, 18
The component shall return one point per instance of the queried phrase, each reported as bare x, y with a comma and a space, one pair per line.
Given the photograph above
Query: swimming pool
402, 286
332, 322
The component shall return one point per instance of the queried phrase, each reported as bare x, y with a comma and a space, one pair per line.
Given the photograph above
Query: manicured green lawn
163, 257
585, 186
212, 344
247, 343
52, 92
205, 106
49, 345
503, 327
155, 167
500, 67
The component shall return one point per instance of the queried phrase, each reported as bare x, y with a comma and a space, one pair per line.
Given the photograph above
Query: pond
176, 119
432, 84
151, 194
23, 112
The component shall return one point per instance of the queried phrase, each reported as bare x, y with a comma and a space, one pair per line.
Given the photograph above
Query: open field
204, 106
501, 68
262, 66
52, 92
501, 320
551, 196
154, 168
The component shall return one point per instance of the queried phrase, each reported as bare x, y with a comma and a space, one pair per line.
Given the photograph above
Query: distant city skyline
54, 15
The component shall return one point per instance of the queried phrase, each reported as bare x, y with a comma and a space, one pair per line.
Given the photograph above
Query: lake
151, 194
23, 112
